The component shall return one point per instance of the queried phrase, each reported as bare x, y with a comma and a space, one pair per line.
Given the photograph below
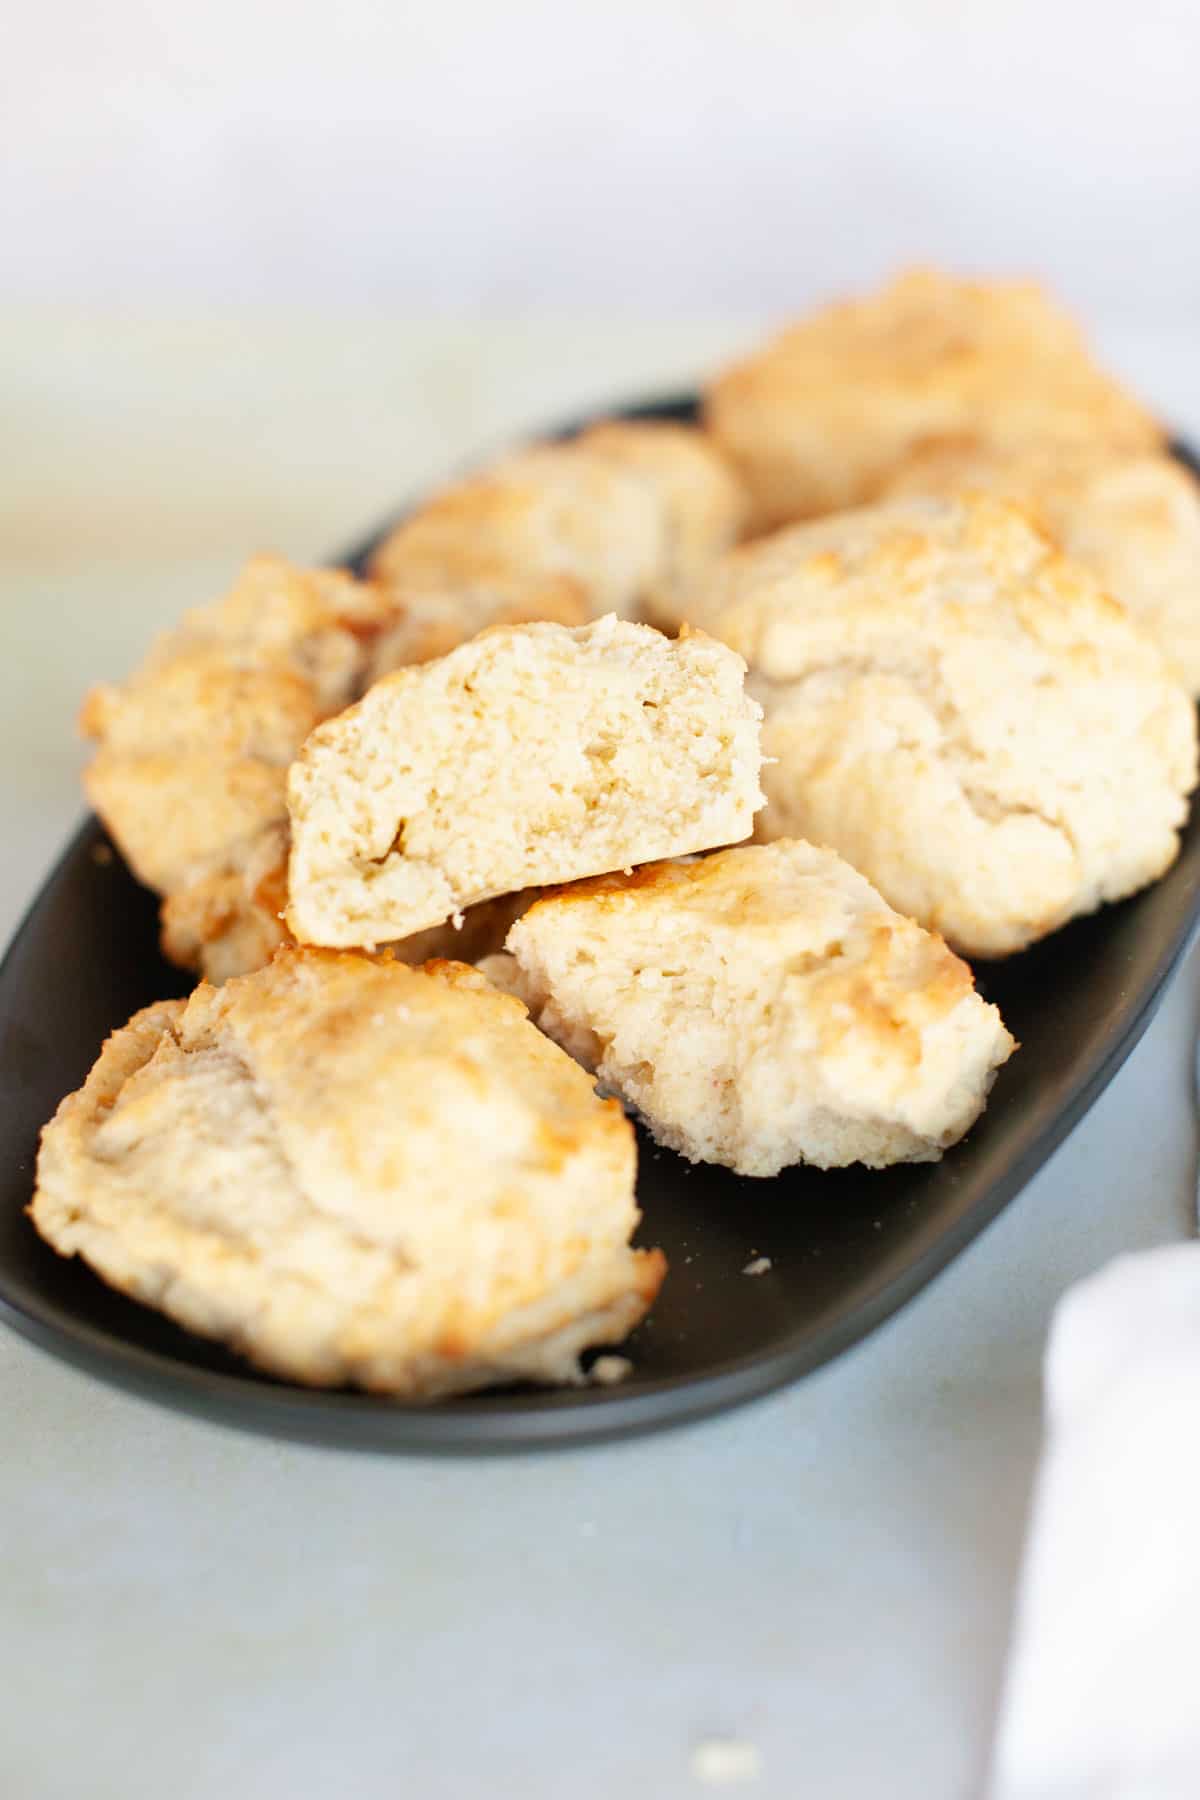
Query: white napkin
1102, 1700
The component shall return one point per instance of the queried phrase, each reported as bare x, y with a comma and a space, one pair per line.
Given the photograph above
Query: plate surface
846, 1248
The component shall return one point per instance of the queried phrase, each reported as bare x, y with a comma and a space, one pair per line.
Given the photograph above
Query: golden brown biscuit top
821, 417
869, 581
340, 1046
546, 511
1077, 491
194, 746
300, 628
790, 911
926, 329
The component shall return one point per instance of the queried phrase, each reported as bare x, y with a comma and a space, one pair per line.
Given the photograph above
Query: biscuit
622, 519
702, 503
230, 922
190, 769
820, 418
579, 530
350, 1171
761, 1007
1133, 520
961, 712
533, 754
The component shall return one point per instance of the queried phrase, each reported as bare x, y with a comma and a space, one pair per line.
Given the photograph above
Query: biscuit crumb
876, 686
102, 855
719, 1762
760, 1266
607, 1371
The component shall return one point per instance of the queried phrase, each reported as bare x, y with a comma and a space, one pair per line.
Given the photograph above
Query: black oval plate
846, 1249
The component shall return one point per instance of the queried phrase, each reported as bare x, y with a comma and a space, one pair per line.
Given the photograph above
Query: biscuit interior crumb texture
353, 1171
762, 1007
961, 712
819, 419
608, 1371
533, 754
612, 521
1133, 520
190, 769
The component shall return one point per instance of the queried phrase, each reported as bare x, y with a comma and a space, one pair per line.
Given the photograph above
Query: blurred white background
685, 156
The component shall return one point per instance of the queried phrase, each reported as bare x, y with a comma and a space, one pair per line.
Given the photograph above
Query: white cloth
1102, 1699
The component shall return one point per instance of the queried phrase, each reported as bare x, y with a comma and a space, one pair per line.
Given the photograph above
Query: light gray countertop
190, 1611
